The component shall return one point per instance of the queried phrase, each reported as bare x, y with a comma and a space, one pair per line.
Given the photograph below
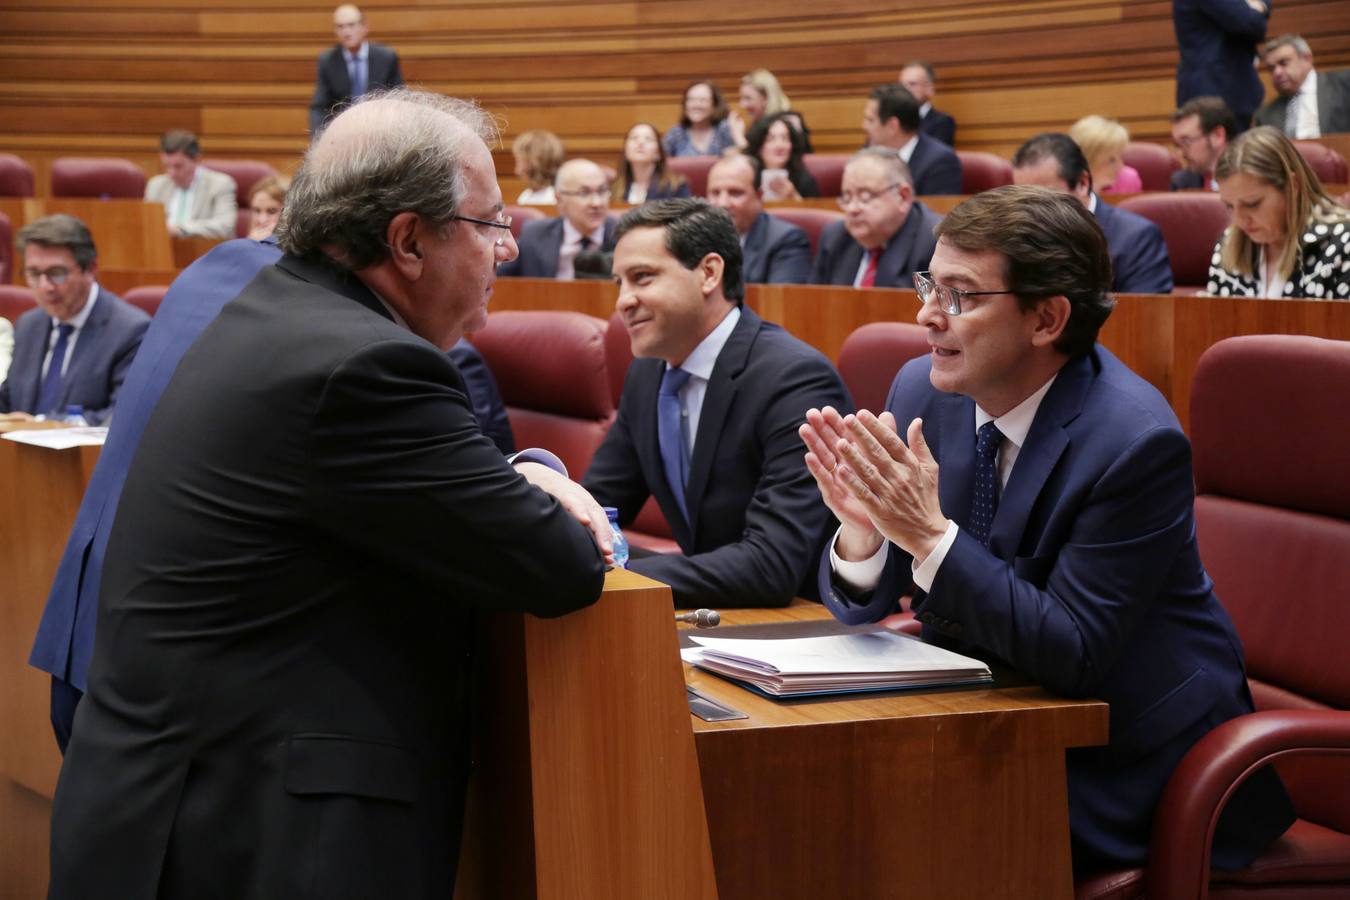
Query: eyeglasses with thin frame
588, 193
948, 299
504, 222
57, 275
865, 197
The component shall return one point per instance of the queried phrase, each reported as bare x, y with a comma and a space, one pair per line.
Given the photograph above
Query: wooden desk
941, 794
129, 234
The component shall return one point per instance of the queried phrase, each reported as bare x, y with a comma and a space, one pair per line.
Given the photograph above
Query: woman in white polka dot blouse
1288, 237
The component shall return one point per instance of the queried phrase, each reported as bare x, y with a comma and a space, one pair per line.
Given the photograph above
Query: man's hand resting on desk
575, 499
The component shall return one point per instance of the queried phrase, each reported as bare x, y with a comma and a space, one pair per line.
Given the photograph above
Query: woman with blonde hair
538, 155
762, 96
1103, 142
1288, 237
265, 202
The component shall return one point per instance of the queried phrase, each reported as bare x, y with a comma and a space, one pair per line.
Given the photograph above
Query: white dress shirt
1302, 110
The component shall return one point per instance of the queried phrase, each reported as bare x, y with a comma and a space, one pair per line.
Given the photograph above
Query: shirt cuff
862, 576
926, 571
541, 456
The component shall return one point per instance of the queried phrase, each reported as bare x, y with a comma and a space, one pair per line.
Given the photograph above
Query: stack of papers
873, 661
60, 438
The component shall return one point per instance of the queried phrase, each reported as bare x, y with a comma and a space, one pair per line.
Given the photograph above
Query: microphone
700, 618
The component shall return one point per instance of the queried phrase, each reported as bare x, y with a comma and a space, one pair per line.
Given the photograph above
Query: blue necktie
670, 434
49, 395
985, 502
357, 74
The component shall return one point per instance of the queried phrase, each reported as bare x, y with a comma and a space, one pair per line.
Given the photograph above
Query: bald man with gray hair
549, 247
351, 68
279, 685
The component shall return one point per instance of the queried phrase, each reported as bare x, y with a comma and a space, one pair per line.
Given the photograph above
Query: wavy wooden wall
107, 76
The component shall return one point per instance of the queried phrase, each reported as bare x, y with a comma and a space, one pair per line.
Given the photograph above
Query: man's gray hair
895, 166
1287, 40
392, 152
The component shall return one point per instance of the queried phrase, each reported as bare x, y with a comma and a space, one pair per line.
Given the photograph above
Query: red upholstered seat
97, 176
1154, 163
1191, 222
147, 297
16, 177
522, 214
695, 171
246, 173
6, 250
15, 301
1270, 442
872, 356
1329, 165
981, 171
550, 367
828, 171
812, 221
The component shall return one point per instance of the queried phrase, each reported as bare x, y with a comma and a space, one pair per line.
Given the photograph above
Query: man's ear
405, 234
710, 273
1052, 317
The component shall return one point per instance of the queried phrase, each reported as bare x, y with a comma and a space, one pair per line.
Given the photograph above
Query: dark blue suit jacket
776, 252
1139, 260
939, 126
1218, 40
935, 166
103, 353
65, 637
540, 242
909, 250
333, 84
757, 520
1091, 586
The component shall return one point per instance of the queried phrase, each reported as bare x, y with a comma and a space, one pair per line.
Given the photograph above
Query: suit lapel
893, 261
552, 248
28, 355
1324, 102
954, 450
753, 255
87, 345
846, 265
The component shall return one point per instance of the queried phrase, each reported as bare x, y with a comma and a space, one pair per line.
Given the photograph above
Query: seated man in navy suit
351, 67
775, 252
886, 235
891, 120
1041, 506
76, 347
707, 422
549, 247
917, 77
1138, 254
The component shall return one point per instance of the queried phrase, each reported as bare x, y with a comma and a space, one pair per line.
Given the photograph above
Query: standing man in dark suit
891, 120
1042, 506
1201, 130
886, 235
1309, 103
549, 247
350, 68
708, 418
279, 681
1217, 41
774, 251
917, 77
1138, 253
76, 347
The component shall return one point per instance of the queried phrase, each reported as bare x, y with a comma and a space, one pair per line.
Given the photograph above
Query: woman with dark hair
703, 129
779, 148
642, 173
1288, 237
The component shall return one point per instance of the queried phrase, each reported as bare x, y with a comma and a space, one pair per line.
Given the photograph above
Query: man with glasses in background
351, 67
549, 247
886, 235
76, 347
1040, 508
1201, 130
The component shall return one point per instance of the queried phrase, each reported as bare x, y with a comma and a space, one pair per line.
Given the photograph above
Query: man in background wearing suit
1309, 103
917, 77
284, 627
549, 247
350, 68
1216, 42
198, 202
886, 234
1042, 507
1138, 254
775, 252
76, 347
891, 120
708, 417
1201, 130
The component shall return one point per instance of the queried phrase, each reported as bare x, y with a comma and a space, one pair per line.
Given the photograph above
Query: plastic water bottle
620, 542
75, 415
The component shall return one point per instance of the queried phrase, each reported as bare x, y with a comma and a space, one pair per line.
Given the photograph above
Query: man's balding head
349, 24
583, 194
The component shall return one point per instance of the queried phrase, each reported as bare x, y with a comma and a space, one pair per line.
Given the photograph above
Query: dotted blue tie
670, 434
49, 395
985, 502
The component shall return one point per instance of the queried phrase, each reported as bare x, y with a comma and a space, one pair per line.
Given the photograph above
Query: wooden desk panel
129, 234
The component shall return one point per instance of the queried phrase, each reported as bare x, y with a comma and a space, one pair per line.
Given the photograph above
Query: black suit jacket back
333, 86
939, 126
277, 695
